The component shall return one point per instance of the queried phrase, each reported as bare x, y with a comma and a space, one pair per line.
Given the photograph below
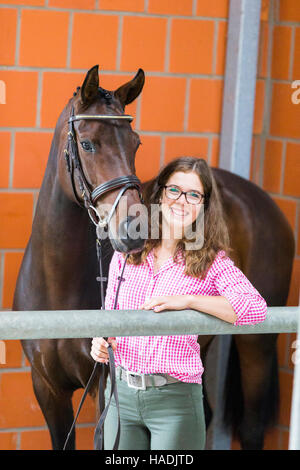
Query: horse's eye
87, 146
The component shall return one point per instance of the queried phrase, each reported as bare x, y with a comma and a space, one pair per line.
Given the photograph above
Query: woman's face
178, 213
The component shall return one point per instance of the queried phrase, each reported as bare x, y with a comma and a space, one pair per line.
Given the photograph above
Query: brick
259, 107
39, 46
8, 20
85, 438
272, 439
24, 2
31, 155
147, 158
263, 50
176, 7
285, 439
216, 9
265, 9
272, 166
282, 36
188, 36
4, 158
73, 4
255, 160
293, 298
285, 386
18, 409
88, 410
57, 88
36, 440
298, 243
122, 5
291, 185
296, 64
221, 48
13, 354
162, 105
205, 107
185, 146
21, 98
12, 263
94, 41
282, 344
142, 36
282, 105
16, 218
288, 207
289, 10
8, 440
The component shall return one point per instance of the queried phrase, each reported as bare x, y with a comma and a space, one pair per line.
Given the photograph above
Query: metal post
294, 441
235, 152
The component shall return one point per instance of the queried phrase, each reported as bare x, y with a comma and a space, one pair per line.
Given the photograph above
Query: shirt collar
169, 263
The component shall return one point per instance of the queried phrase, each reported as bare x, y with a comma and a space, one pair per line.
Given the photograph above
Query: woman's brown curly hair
216, 237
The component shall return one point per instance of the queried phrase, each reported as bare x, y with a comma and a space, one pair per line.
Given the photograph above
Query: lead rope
98, 435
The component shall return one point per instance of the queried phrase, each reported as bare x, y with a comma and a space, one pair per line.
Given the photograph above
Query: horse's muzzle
132, 234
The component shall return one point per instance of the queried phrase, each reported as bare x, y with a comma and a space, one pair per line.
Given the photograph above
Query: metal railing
89, 323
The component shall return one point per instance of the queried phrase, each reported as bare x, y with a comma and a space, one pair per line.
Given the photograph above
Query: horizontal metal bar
89, 323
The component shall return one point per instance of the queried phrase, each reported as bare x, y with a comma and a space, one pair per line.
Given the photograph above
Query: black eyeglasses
191, 197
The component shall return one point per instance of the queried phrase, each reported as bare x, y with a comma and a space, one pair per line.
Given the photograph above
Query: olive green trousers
158, 418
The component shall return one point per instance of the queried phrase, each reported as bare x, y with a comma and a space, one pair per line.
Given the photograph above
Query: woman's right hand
99, 349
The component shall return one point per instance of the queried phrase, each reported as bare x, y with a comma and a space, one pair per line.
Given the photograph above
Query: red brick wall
46, 48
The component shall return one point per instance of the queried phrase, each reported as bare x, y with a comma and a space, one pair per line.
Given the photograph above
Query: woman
173, 272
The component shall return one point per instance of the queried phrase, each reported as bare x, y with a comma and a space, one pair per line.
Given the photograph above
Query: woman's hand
168, 302
99, 349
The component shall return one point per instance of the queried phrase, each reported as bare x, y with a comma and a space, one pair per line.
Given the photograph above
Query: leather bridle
89, 197
74, 167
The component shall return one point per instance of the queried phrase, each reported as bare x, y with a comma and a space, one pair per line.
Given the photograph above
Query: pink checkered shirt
178, 356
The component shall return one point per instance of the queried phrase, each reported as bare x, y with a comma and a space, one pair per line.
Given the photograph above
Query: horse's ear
131, 90
90, 85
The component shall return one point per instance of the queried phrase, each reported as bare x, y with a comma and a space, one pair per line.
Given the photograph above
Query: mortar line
187, 105
167, 46
118, 12
268, 97
194, 8
209, 150
11, 159
283, 159
215, 43
18, 36
119, 43
292, 51
70, 35
39, 100
162, 151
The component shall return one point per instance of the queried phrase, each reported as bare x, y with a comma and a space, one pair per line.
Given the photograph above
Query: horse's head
100, 153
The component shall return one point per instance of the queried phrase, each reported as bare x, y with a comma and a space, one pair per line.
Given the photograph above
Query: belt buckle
131, 385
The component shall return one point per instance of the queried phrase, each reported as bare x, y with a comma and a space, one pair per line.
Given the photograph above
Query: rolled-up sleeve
231, 283
113, 274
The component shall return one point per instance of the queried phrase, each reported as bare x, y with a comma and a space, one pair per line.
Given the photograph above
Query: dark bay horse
60, 267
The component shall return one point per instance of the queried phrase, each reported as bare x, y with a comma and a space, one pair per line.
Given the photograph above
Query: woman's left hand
168, 302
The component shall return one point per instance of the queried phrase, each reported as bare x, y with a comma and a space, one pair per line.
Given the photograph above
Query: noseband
74, 166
